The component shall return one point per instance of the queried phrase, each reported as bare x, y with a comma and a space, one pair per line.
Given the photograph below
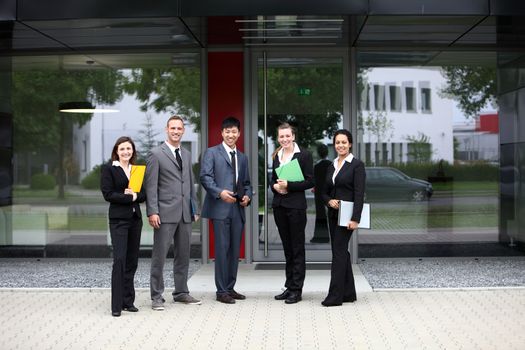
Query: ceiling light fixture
296, 29
288, 20
292, 37
83, 107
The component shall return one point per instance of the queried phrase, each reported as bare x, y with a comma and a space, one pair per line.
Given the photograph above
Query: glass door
306, 91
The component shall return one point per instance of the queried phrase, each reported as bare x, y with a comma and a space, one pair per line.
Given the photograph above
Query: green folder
290, 171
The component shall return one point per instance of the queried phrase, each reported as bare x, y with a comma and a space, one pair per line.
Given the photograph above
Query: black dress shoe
236, 295
283, 295
329, 303
293, 297
131, 308
115, 314
225, 298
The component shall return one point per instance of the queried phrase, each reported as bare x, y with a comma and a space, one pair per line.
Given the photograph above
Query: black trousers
125, 238
291, 224
342, 284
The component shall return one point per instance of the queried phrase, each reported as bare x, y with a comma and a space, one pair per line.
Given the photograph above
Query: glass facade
511, 83
427, 199
57, 207
438, 124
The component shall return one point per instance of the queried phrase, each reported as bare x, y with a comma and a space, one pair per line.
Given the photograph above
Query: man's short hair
230, 122
175, 117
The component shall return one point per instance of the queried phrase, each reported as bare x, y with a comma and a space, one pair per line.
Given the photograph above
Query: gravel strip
75, 273
380, 273
444, 272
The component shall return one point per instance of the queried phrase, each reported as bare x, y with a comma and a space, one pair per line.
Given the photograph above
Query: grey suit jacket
216, 176
170, 192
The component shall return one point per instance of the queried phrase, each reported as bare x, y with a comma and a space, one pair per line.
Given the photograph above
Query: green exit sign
305, 91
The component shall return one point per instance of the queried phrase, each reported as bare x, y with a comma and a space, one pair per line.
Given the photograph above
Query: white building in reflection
403, 117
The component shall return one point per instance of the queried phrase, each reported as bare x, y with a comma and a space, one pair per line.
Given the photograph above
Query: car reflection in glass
383, 183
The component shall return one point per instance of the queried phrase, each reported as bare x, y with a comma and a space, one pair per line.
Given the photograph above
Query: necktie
234, 166
179, 159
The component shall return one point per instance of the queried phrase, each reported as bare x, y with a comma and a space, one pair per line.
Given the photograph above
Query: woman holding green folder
125, 223
292, 174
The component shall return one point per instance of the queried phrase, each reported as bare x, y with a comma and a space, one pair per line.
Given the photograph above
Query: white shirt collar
281, 151
295, 150
228, 149
171, 147
117, 163
348, 159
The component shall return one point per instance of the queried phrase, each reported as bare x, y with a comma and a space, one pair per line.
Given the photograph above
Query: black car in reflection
384, 183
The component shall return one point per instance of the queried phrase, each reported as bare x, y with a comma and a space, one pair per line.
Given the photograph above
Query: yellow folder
290, 171
137, 177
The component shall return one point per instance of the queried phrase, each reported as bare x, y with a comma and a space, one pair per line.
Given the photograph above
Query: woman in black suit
125, 223
289, 210
345, 180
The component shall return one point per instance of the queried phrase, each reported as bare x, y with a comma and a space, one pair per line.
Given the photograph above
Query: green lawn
49, 197
435, 220
440, 216
467, 186
409, 216
87, 223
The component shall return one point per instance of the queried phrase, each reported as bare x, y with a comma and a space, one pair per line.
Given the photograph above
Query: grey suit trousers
179, 233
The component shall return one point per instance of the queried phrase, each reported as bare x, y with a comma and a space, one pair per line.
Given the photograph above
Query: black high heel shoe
328, 303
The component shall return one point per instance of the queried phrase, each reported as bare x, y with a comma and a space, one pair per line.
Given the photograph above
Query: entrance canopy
437, 29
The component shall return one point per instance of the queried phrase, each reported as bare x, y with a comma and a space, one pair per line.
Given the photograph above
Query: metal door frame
251, 129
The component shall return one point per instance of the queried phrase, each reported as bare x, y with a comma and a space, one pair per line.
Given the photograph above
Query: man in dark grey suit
171, 207
226, 179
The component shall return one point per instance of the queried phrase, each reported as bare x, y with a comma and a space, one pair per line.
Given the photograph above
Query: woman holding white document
292, 175
345, 180
125, 222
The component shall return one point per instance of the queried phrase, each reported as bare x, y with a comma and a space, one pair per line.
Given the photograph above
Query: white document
345, 214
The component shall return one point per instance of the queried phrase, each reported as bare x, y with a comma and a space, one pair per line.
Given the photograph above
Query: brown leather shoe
236, 295
225, 298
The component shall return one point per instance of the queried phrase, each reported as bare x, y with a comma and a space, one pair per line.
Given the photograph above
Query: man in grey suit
226, 179
171, 206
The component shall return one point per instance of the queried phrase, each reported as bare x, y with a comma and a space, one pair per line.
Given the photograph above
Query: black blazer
113, 182
295, 198
349, 186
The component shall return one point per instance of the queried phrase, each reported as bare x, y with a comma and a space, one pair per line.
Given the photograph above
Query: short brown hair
122, 139
175, 117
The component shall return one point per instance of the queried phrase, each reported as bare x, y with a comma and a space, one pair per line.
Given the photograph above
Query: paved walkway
395, 319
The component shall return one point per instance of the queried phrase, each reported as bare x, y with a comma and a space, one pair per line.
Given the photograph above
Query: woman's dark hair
343, 132
322, 150
122, 139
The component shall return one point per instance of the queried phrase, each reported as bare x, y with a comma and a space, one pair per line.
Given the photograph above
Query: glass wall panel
57, 203
432, 163
307, 93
